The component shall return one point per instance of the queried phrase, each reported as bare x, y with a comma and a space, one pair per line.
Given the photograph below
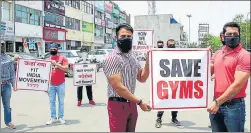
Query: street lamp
246, 31
189, 16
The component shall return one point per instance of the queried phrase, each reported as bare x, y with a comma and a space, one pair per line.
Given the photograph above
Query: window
6, 11
54, 19
99, 14
27, 15
73, 3
87, 7
71, 23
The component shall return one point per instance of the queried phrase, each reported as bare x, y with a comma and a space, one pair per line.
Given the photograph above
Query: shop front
74, 39
8, 35
115, 12
54, 35
87, 35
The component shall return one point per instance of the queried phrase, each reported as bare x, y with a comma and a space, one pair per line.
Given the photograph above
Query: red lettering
197, 86
174, 86
162, 93
186, 89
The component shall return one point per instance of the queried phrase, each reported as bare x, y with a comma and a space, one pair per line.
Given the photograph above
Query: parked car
98, 54
22, 55
73, 56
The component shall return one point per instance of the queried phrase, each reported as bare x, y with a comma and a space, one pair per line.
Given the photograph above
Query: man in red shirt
60, 66
231, 67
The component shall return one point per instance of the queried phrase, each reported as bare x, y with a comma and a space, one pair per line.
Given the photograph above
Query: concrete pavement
31, 111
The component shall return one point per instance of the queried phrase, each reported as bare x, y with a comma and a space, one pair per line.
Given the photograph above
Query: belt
5, 82
233, 101
118, 99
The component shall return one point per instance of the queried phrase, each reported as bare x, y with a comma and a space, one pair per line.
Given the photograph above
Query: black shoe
176, 122
158, 123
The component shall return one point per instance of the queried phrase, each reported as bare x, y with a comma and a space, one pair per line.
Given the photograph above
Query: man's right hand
145, 107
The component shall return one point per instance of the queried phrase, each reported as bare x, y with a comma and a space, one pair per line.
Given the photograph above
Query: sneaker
176, 122
62, 121
158, 123
11, 126
50, 121
92, 102
79, 103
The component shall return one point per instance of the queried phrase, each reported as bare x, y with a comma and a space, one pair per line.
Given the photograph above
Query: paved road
31, 111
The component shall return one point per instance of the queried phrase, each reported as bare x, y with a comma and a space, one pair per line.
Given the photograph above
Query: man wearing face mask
170, 44
57, 87
231, 67
160, 44
122, 70
7, 74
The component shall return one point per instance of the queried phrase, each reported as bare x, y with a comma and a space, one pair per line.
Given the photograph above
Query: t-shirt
58, 75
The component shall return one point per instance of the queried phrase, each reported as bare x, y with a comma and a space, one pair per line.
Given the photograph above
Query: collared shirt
7, 69
124, 63
226, 62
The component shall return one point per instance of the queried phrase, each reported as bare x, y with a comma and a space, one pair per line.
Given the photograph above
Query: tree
214, 42
245, 29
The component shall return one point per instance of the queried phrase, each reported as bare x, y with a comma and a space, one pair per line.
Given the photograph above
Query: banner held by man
84, 74
180, 79
142, 40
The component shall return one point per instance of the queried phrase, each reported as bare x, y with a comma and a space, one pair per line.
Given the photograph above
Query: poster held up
33, 75
84, 74
142, 40
180, 79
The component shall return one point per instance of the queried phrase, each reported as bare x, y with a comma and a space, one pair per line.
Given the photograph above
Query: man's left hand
213, 109
147, 58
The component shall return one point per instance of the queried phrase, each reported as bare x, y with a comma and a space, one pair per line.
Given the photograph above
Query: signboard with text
33, 75
179, 79
142, 40
84, 74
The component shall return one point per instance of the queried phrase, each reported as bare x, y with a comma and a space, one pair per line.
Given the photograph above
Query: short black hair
123, 25
221, 33
231, 24
160, 41
169, 41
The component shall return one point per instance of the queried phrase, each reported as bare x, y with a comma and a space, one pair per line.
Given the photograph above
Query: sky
215, 13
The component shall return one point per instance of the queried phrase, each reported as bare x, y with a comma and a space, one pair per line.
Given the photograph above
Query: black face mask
125, 44
171, 46
160, 46
54, 52
232, 41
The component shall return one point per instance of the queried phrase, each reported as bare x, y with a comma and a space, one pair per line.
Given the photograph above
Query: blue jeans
60, 92
6, 95
229, 118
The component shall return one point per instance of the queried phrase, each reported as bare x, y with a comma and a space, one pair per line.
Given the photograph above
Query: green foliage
245, 29
214, 42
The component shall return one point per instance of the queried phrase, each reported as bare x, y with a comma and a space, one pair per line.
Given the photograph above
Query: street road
31, 111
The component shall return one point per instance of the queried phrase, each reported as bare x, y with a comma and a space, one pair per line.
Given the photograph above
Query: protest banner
142, 40
84, 74
179, 79
33, 75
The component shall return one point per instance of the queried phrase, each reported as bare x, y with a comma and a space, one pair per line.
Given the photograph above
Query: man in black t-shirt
170, 44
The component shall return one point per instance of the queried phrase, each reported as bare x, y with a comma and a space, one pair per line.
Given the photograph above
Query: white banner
33, 75
179, 79
142, 40
84, 74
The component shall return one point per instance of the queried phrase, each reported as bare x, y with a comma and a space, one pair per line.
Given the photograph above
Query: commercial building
7, 26
87, 25
54, 24
165, 27
115, 20
29, 27
99, 19
109, 25
122, 16
73, 20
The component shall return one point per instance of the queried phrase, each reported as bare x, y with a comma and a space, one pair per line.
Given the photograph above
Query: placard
84, 74
34, 75
142, 40
179, 79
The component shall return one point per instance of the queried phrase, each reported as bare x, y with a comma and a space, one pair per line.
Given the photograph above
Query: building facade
109, 25
54, 24
7, 26
115, 20
99, 24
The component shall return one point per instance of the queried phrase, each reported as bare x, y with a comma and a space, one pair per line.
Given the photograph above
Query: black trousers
160, 114
88, 92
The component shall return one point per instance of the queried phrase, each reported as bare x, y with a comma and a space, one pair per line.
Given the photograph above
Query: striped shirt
124, 63
7, 69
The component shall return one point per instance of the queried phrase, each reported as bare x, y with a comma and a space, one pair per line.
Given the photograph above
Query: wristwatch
217, 103
140, 101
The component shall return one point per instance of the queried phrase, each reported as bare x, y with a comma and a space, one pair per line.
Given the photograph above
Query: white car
72, 56
98, 54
